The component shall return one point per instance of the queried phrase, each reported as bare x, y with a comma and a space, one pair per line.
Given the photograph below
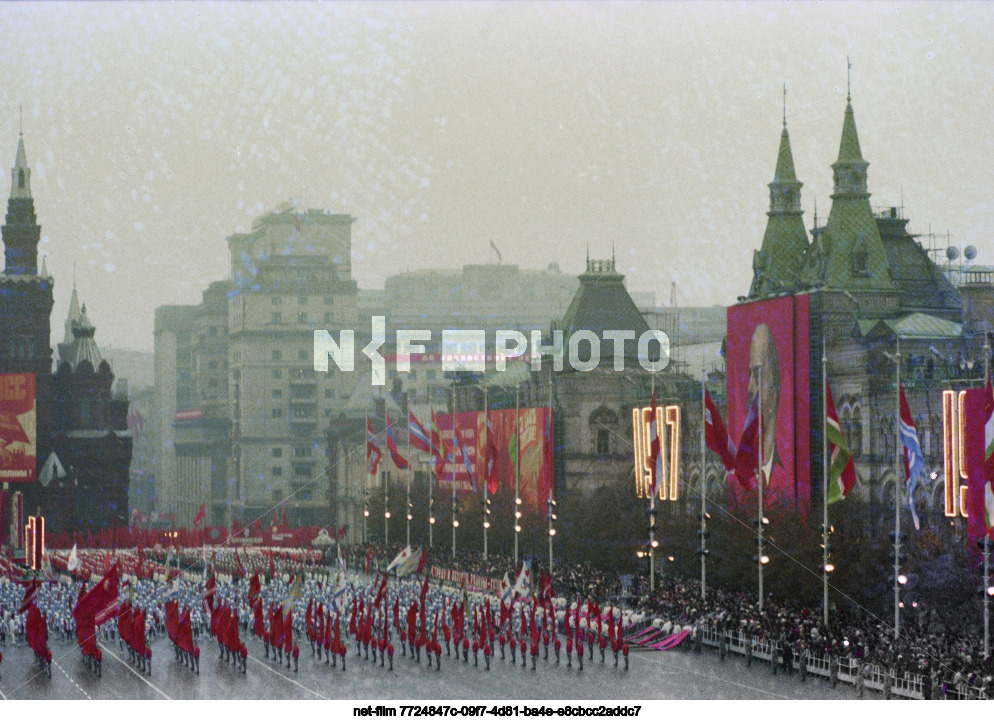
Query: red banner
17, 428
532, 441
773, 335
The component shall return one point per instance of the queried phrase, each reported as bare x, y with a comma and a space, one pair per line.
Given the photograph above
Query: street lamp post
517, 471
898, 470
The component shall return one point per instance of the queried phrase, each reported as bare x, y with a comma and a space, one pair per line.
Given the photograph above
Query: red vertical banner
17, 428
974, 462
768, 349
19, 519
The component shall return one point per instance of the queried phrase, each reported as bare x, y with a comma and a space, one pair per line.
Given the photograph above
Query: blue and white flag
913, 461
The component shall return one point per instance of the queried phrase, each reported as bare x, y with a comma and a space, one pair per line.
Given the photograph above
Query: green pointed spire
785, 161
849, 150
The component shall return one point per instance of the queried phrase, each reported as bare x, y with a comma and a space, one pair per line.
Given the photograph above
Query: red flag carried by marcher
716, 435
100, 602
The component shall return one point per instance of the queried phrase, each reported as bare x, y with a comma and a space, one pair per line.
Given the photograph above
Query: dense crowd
316, 598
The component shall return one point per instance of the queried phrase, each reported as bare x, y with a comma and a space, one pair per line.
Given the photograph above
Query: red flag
381, 594
716, 435
655, 449
201, 515
747, 456
398, 460
100, 602
438, 447
373, 452
417, 433
423, 561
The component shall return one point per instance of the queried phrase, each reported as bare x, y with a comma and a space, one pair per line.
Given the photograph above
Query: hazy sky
156, 130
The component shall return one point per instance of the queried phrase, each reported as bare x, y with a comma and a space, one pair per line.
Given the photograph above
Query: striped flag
373, 452
841, 472
398, 460
419, 436
913, 461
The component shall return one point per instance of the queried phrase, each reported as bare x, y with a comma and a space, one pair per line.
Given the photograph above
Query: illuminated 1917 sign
668, 423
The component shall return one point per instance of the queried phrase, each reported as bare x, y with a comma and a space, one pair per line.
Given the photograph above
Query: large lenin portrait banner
17, 428
768, 352
533, 440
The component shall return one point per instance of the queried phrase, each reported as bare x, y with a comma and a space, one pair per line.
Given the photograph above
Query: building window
277, 412
277, 493
328, 316
328, 300
277, 355
277, 471
329, 392
277, 318
301, 317
276, 373
277, 300
302, 300
277, 453
301, 451
603, 442
277, 393
212, 365
302, 355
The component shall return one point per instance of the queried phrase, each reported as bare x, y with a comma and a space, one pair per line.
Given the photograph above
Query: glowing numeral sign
34, 541
668, 423
954, 452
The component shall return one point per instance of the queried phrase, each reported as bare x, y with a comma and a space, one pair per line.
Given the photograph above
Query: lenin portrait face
764, 377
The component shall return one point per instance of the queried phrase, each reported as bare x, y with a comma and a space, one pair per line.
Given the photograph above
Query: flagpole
517, 470
410, 472
455, 523
987, 535
824, 484
431, 486
652, 498
486, 480
704, 476
552, 502
365, 484
759, 484
897, 496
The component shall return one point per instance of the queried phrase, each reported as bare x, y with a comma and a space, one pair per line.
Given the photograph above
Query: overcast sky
156, 130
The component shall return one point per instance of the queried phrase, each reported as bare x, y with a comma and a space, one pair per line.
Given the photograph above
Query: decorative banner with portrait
17, 428
768, 353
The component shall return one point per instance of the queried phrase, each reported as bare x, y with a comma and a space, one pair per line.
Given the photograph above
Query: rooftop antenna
785, 106
816, 211
848, 81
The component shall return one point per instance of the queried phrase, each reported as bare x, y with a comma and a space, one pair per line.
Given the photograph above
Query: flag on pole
522, 584
716, 434
73, 563
465, 459
438, 449
401, 558
655, 449
398, 460
419, 436
913, 461
342, 566
747, 455
841, 471
373, 452
201, 515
